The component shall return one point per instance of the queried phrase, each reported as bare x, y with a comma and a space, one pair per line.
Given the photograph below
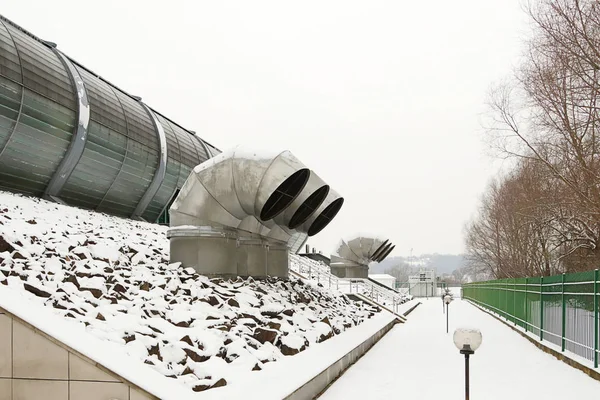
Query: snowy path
418, 361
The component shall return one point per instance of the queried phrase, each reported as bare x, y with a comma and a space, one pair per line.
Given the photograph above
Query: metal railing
321, 274
562, 309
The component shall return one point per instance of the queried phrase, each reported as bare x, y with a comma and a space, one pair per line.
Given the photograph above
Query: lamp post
443, 304
447, 300
467, 341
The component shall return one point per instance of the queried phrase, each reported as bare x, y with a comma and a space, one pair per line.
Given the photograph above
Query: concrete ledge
317, 385
561, 356
411, 309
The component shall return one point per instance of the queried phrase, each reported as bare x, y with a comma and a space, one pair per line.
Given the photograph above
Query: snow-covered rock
112, 276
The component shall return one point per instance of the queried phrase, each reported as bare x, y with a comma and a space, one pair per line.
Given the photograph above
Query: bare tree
547, 116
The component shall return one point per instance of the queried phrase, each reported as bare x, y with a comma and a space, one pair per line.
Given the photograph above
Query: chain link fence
561, 309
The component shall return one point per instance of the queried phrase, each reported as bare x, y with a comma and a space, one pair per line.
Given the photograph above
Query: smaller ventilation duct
260, 203
352, 257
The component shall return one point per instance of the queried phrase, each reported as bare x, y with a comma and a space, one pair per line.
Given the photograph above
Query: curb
318, 384
592, 373
411, 309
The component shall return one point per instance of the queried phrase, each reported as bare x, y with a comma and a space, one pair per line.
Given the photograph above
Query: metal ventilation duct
248, 200
353, 256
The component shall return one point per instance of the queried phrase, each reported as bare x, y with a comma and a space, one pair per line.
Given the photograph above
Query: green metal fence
561, 309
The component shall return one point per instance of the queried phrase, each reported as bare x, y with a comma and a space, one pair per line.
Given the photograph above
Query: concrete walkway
418, 360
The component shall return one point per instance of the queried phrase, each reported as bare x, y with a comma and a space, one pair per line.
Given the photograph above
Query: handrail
321, 273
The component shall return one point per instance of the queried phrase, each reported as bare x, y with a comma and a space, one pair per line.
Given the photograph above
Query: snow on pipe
263, 201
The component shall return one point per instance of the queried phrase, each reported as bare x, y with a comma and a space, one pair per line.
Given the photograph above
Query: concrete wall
35, 366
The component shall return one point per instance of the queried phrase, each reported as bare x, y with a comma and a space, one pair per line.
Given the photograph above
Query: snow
419, 360
381, 276
103, 285
276, 380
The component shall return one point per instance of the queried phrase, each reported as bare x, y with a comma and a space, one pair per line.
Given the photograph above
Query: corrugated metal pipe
352, 257
239, 213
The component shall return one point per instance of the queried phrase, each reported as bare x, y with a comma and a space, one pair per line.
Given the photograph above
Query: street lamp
447, 300
467, 341
443, 303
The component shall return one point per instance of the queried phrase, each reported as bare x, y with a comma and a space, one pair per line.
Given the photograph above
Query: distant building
384, 279
422, 284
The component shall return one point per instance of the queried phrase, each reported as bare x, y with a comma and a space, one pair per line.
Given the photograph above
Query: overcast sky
383, 99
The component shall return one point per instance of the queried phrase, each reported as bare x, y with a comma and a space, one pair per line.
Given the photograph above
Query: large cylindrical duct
324, 214
353, 256
236, 190
238, 186
257, 196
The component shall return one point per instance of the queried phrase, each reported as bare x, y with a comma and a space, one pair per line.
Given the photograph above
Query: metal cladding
353, 256
257, 198
69, 135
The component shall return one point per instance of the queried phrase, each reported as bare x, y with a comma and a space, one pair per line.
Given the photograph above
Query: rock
187, 371
119, 288
32, 222
73, 280
289, 312
5, 246
271, 314
213, 301
265, 335
256, 367
323, 338
97, 293
156, 330
195, 356
36, 291
188, 340
129, 338
145, 286
183, 324
81, 256
154, 350
290, 351
200, 388
219, 383
18, 256
100, 317
274, 325
233, 303
326, 320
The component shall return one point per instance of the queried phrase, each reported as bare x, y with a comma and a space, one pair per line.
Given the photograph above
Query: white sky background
383, 99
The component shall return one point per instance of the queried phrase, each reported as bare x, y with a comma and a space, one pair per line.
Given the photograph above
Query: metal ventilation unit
239, 213
353, 257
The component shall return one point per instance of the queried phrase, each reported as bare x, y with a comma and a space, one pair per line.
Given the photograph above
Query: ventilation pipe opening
309, 207
387, 254
383, 253
325, 217
285, 194
379, 250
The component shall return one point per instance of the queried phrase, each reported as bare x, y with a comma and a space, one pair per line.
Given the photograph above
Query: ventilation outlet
309, 207
285, 194
325, 217
379, 250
